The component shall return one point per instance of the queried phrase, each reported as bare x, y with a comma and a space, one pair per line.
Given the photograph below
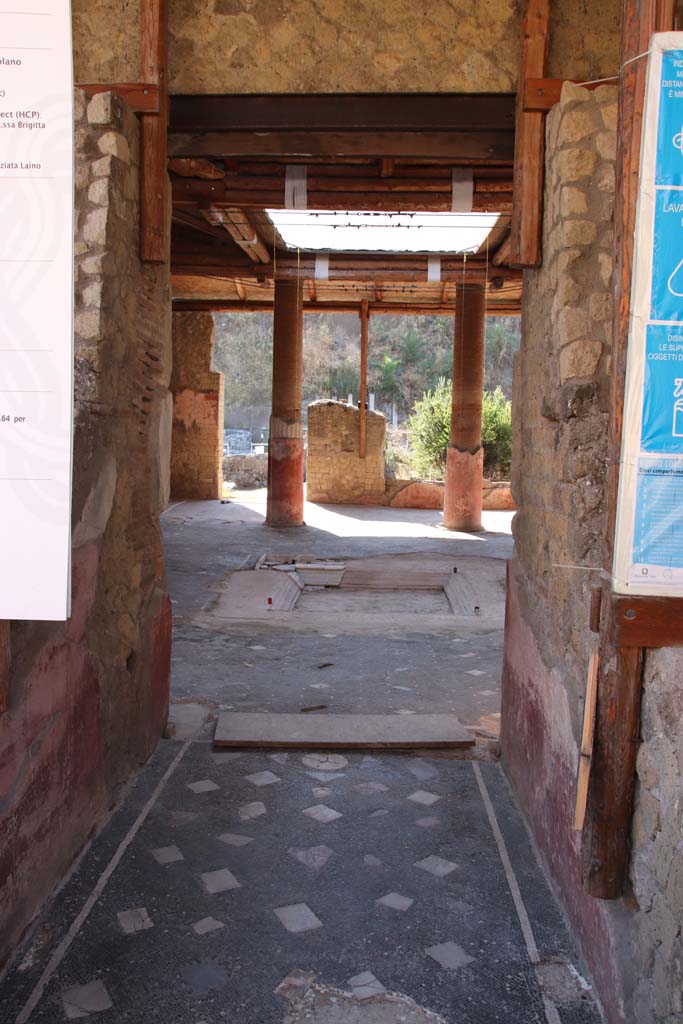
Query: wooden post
362, 422
527, 197
5, 664
606, 835
154, 187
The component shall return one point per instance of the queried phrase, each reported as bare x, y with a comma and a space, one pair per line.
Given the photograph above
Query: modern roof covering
349, 231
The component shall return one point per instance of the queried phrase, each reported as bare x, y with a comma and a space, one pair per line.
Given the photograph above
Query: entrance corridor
292, 886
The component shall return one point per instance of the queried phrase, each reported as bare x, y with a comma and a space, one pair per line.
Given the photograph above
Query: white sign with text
36, 308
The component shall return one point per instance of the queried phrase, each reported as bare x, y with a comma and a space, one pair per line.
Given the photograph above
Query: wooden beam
360, 112
240, 229
141, 97
362, 421
646, 621
501, 256
187, 167
192, 192
240, 289
190, 218
5, 664
541, 94
527, 203
483, 147
154, 219
352, 307
606, 835
340, 270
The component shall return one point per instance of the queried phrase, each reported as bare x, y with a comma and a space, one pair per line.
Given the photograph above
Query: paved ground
224, 874
382, 672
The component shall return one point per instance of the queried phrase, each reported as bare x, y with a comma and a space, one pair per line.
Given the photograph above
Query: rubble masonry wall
88, 698
561, 401
291, 46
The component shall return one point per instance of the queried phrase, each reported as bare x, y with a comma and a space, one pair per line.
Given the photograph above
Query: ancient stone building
247, 87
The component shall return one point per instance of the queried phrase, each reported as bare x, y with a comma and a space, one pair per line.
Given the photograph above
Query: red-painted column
286, 447
465, 459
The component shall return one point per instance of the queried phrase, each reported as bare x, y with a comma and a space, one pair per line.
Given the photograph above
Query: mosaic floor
256, 888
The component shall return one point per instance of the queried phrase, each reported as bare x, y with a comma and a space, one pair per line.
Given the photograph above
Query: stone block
95, 227
576, 124
579, 359
573, 94
100, 109
114, 144
98, 193
572, 201
87, 323
600, 306
572, 323
574, 164
578, 232
606, 144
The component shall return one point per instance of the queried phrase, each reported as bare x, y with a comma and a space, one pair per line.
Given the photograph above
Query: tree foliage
430, 424
408, 357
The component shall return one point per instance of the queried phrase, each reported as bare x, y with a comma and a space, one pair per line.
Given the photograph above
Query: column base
463, 491
285, 482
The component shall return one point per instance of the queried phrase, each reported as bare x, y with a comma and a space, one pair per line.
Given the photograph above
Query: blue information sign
667, 268
670, 128
649, 541
662, 423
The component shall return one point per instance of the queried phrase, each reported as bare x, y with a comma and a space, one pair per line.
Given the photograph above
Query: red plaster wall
540, 756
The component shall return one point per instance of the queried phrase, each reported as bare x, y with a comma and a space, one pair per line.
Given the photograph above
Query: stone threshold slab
341, 732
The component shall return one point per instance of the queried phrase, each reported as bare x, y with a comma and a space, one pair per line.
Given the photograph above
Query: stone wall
496, 495
197, 444
88, 698
259, 46
561, 406
246, 470
334, 470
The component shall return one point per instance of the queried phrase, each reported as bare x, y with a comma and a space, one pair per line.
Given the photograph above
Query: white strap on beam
296, 190
322, 266
433, 268
463, 190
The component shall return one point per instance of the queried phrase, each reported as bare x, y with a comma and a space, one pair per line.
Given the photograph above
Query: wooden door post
154, 187
362, 422
527, 197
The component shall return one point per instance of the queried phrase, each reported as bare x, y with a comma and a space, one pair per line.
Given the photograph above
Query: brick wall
197, 443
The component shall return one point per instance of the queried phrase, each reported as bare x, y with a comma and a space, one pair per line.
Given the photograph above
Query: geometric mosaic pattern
224, 908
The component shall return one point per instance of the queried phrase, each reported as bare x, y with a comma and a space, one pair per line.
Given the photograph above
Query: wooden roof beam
240, 229
389, 308
384, 274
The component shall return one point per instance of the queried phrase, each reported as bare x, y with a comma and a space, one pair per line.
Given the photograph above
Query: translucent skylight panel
349, 231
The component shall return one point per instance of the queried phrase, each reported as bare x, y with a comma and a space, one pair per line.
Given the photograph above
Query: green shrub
429, 432
496, 434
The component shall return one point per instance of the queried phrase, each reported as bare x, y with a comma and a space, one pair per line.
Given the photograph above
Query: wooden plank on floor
340, 732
